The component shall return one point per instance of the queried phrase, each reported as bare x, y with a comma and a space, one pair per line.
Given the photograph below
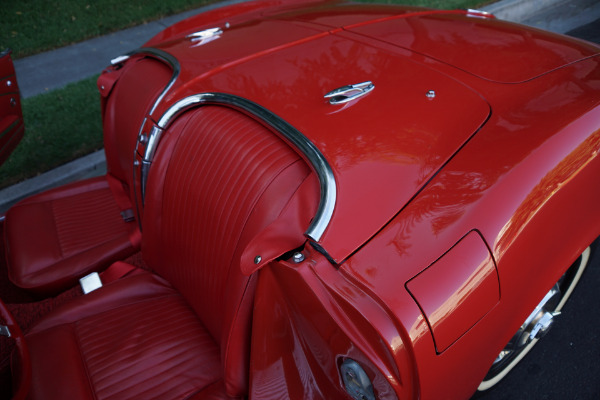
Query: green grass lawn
32, 26
60, 126
64, 124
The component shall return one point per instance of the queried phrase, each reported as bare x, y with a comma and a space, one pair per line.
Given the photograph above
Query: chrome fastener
298, 257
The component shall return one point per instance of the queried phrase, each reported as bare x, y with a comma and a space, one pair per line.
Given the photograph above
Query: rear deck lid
488, 48
382, 147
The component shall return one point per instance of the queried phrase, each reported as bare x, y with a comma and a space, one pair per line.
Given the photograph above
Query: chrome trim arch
312, 154
174, 64
166, 58
171, 61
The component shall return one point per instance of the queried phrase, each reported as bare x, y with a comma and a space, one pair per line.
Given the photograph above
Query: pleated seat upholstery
56, 237
53, 238
135, 338
183, 331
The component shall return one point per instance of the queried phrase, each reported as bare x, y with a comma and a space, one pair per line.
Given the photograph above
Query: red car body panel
11, 116
291, 79
486, 158
489, 48
531, 166
465, 183
457, 290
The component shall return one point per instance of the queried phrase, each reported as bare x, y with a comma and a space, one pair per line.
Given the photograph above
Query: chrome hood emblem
348, 93
205, 36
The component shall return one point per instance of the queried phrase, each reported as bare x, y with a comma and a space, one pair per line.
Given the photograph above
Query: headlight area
316, 336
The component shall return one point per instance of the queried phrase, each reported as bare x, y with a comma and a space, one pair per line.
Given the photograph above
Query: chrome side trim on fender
292, 135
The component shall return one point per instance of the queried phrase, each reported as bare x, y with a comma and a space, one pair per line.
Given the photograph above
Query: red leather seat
56, 237
135, 338
218, 180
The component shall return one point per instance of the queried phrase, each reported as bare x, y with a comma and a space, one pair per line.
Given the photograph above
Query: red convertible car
310, 200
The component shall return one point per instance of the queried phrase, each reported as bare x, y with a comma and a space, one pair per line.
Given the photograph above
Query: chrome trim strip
174, 64
153, 139
168, 59
144, 171
4, 331
471, 12
119, 60
311, 152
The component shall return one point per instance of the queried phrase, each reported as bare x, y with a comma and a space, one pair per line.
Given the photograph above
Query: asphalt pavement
564, 365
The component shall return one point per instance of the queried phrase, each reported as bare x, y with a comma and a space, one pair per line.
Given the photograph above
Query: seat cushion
135, 338
54, 238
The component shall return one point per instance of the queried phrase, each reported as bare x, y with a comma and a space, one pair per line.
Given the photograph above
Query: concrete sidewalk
55, 69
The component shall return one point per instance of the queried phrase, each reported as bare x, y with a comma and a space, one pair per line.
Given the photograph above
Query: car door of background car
11, 116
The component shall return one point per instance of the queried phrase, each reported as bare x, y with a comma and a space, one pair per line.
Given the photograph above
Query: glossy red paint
234, 14
491, 49
515, 181
542, 161
457, 290
11, 116
304, 329
446, 205
291, 79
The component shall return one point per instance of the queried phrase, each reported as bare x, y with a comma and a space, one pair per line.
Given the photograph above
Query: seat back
128, 95
218, 179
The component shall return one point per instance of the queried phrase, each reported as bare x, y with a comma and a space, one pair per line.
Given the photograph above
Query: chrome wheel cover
537, 324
